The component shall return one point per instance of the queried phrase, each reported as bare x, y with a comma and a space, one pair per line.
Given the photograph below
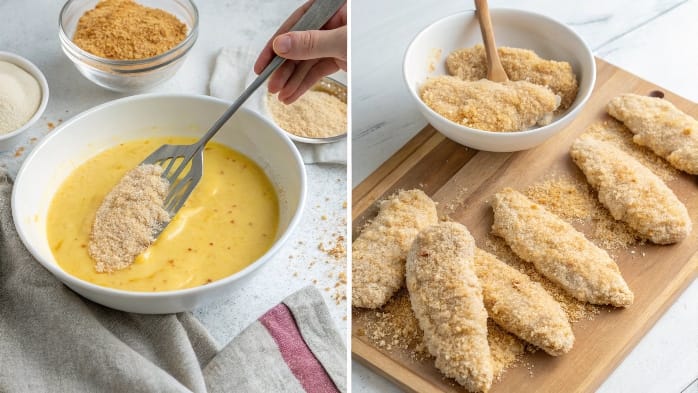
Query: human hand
311, 54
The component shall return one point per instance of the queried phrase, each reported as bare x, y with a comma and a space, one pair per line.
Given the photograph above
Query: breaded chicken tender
446, 298
379, 252
659, 125
522, 306
631, 192
558, 251
490, 106
520, 65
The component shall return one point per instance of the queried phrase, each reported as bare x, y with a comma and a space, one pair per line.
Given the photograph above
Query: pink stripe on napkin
304, 365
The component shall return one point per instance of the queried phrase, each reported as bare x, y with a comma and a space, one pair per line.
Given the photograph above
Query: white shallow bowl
137, 117
550, 39
260, 102
7, 141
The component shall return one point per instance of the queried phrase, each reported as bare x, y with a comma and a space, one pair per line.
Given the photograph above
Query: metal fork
183, 164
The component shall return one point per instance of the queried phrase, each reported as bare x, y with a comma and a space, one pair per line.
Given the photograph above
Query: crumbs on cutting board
457, 203
618, 134
394, 327
576, 202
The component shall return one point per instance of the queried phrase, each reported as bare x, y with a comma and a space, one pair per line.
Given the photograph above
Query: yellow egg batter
228, 222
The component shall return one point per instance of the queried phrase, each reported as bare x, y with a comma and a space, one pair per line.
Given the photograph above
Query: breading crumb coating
558, 251
521, 306
659, 125
447, 300
378, 253
631, 192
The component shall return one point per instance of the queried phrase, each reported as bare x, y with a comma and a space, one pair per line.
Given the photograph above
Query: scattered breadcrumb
457, 203
395, 328
338, 251
615, 132
128, 217
576, 202
505, 349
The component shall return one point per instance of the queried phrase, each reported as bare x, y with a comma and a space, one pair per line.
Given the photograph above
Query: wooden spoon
495, 71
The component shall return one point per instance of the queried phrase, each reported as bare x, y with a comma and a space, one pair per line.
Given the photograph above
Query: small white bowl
547, 37
7, 141
336, 82
137, 117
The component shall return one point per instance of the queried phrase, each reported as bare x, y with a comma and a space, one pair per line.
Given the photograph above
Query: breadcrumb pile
316, 114
126, 30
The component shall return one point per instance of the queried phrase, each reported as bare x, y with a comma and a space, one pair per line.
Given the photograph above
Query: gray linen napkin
52, 340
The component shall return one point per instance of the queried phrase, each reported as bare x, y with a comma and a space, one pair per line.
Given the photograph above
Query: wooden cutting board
447, 171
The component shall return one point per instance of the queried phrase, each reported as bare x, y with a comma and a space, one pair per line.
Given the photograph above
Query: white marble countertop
653, 39
30, 29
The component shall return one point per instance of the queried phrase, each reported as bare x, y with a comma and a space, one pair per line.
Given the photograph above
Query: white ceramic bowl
515, 28
7, 141
260, 102
137, 117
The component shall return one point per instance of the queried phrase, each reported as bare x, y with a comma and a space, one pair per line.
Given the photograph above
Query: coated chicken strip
661, 126
631, 192
558, 251
378, 254
520, 65
522, 306
490, 106
446, 298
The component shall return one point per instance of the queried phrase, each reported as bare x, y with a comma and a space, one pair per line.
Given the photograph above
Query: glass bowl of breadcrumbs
128, 45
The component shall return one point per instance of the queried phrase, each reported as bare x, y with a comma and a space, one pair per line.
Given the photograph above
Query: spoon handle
495, 71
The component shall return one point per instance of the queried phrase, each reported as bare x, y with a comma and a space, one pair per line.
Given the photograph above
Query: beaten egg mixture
228, 222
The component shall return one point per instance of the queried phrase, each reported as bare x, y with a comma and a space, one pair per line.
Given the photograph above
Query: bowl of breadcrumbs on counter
128, 45
318, 116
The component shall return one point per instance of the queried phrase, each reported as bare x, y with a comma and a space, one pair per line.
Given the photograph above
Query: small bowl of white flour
23, 97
